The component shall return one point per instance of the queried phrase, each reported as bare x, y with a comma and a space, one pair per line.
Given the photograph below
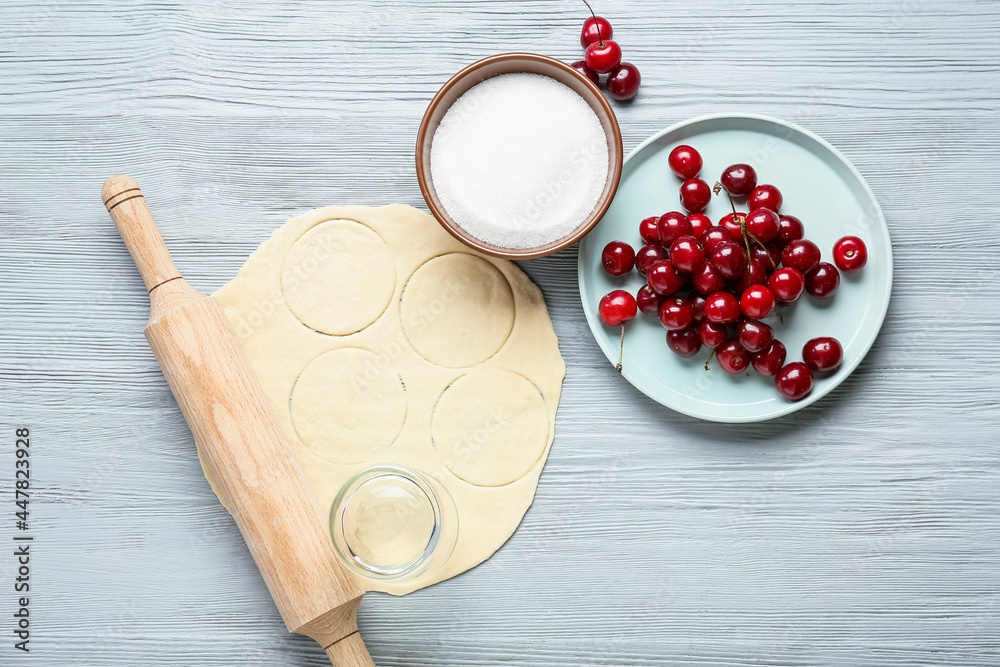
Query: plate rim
788, 407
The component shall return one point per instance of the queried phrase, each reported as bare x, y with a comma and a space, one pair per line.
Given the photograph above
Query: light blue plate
819, 186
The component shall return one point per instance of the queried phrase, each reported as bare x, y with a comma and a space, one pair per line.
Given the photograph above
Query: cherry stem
709, 359
600, 42
741, 219
758, 242
621, 350
718, 188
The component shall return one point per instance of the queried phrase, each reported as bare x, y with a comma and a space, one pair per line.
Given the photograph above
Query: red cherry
769, 256
757, 302
769, 361
648, 301
823, 354
765, 196
581, 67
685, 343
732, 357
801, 254
663, 278
722, 308
687, 254
731, 221
713, 236
671, 226
755, 275
617, 307
676, 313
850, 254
684, 161
754, 336
762, 224
618, 258
712, 335
695, 195
794, 381
595, 28
647, 230
739, 179
698, 305
822, 281
790, 228
760, 254
707, 280
648, 255
623, 82
700, 223
603, 56
774, 249
787, 284
729, 259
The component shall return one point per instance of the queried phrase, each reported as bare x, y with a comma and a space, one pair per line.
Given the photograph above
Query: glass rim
341, 502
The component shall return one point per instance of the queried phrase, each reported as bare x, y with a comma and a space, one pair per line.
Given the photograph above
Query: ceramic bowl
506, 63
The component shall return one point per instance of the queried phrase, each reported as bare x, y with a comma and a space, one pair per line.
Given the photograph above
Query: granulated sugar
520, 160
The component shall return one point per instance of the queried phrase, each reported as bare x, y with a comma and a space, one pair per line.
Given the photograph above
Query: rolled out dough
380, 339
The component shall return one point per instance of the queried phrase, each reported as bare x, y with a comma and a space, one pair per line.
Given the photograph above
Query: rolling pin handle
135, 223
350, 652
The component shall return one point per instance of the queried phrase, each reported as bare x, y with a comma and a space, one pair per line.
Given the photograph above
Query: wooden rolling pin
238, 436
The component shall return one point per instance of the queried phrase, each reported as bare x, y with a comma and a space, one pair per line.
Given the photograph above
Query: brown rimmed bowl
505, 63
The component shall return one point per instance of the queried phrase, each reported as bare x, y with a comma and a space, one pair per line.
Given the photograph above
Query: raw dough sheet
380, 339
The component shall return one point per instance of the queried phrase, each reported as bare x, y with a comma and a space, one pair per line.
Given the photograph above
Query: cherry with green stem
603, 55
594, 29
615, 309
741, 220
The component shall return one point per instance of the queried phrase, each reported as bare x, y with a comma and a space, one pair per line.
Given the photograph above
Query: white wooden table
863, 530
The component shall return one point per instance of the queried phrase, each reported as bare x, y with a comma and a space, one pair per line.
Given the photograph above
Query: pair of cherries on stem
602, 55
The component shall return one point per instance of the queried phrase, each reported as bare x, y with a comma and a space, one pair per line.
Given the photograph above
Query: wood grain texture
862, 530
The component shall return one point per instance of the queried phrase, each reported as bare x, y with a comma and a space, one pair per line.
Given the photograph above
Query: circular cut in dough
490, 427
457, 310
338, 277
348, 405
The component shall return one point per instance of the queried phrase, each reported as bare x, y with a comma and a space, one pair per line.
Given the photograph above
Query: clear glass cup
392, 523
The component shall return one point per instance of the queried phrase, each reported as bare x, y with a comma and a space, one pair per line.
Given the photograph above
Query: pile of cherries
713, 284
602, 55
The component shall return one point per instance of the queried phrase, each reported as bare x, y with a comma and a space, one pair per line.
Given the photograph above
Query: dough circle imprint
348, 405
382, 340
457, 310
338, 277
490, 427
